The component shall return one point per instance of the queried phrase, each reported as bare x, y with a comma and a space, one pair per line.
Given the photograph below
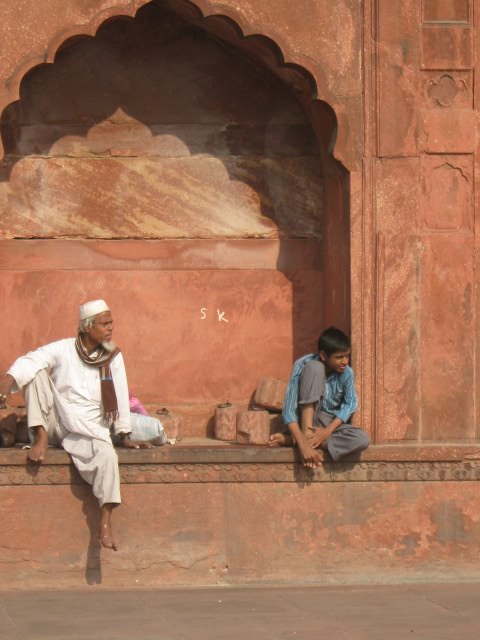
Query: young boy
319, 401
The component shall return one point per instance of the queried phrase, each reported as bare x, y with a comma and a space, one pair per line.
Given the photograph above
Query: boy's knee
363, 439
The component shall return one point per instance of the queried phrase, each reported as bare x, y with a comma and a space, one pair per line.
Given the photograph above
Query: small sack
8, 426
147, 428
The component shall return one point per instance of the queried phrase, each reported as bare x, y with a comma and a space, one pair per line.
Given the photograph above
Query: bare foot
106, 536
310, 457
39, 447
277, 440
137, 444
281, 440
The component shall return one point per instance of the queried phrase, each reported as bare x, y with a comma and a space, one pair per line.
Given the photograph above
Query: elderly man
75, 391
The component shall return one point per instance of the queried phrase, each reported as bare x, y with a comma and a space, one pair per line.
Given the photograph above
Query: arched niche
167, 155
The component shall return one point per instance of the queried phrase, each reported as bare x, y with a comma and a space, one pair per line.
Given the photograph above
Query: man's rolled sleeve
119, 375
25, 368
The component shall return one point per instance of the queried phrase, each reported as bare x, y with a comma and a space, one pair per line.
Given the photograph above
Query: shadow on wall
172, 126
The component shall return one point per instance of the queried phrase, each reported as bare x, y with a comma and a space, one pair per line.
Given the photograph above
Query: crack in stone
4, 615
437, 604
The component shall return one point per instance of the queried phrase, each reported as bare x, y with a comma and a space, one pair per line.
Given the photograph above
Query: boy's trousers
345, 439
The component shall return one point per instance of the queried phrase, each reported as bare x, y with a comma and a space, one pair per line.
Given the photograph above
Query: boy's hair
332, 340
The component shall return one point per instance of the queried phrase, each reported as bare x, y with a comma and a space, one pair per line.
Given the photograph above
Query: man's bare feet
37, 451
137, 444
106, 536
105, 529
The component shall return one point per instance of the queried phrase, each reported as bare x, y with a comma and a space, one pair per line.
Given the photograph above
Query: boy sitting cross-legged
320, 400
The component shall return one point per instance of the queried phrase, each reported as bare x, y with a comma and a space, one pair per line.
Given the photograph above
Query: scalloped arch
286, 58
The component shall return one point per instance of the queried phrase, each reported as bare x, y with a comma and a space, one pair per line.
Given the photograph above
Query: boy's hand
316, 437
310, 457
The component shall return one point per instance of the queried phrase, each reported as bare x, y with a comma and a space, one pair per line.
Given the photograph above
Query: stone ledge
201, 461
205, 450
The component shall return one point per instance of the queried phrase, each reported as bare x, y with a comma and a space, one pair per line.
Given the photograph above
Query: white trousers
96, 460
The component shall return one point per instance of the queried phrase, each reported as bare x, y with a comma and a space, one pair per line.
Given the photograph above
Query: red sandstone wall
400, 79
237, 533
423, 180
155, 130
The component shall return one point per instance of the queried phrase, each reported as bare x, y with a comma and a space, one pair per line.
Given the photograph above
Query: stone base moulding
257, 464
230, 514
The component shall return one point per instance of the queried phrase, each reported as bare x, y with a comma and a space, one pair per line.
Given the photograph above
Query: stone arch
236, 26
321, 115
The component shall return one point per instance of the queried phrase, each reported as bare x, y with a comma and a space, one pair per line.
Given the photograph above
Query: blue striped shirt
339, 397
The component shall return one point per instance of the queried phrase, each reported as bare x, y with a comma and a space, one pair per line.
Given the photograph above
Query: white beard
109, 346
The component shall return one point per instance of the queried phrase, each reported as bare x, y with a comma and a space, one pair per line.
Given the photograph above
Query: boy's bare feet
281, 440
310, 456
277, 440
37, 451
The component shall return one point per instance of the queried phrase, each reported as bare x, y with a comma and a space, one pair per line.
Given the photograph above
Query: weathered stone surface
447, 192
173, 423
161, 152
178, 137
161, 198
398, 81
389, 517
253, 427
325, 533
398, 417
337, 24
270, 394
156, 129
397, 194
446, 10
427, 328
171, 276
287, 254
206, 451
208, 310
448, 89
447, 47
447, 131
246, 471
447, 334
226, 422
123, 136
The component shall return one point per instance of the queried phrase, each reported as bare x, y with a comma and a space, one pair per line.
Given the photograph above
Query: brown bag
8, 426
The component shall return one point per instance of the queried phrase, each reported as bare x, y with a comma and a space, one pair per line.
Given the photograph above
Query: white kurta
77, 396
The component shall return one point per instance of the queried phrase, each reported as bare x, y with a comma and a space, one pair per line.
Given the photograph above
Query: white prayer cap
92, 308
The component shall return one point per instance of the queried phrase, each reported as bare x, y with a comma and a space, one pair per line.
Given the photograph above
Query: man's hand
136, 444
